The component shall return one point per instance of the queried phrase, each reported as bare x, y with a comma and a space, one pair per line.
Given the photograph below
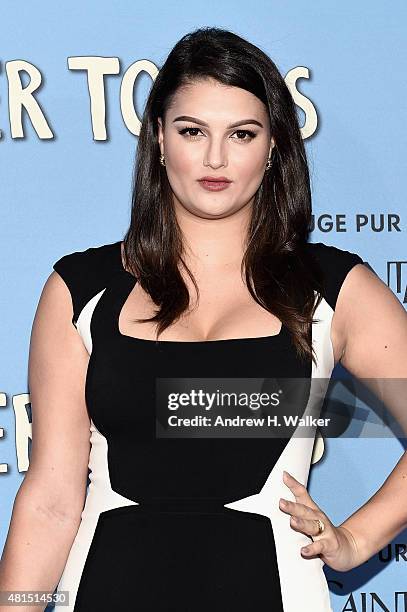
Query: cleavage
213, 318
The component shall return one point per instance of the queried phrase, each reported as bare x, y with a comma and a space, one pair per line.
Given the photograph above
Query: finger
309, 527
311, 550
299, 490
300, 510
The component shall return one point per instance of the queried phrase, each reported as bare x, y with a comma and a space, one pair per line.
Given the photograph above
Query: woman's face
198, 141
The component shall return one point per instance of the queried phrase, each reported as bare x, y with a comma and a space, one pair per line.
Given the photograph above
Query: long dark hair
280, 274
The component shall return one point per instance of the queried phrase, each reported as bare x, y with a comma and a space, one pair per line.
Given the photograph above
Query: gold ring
321, 526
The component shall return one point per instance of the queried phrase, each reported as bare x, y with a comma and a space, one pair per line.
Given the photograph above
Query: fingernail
305, 550
283, 503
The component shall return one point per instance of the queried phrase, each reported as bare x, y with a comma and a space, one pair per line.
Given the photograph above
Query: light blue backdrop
69, 192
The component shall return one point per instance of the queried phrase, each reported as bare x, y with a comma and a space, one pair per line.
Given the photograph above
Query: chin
213, 211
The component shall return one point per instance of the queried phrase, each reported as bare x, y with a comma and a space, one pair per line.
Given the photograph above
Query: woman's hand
335, 545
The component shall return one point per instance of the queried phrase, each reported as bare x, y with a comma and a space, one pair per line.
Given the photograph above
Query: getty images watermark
280, 407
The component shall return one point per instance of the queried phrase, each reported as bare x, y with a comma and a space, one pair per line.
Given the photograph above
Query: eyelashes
248, 133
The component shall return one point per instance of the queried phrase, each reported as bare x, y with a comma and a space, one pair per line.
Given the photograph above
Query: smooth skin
369, 340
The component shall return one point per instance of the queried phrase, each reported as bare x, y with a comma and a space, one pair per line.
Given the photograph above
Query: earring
162, 162
270, 160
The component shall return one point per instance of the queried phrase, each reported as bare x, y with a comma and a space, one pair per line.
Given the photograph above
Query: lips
214, 185
215, 179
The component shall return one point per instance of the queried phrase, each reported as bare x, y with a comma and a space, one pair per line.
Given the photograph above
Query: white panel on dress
100, 497
303, 582
83, 322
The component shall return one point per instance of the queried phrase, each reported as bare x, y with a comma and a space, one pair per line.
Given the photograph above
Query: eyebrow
231, 125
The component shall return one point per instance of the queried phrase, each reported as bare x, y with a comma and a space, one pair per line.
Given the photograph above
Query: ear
272, 145
160, 135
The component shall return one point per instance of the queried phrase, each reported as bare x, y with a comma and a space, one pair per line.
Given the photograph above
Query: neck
213, 242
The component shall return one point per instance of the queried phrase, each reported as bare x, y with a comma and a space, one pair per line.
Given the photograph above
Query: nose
215, 156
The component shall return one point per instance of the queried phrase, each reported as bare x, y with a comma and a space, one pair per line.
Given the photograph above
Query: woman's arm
47, 508
370, 325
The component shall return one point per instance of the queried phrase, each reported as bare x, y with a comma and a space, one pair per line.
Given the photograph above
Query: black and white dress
188, 524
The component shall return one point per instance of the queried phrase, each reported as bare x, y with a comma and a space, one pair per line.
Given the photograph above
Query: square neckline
132, 280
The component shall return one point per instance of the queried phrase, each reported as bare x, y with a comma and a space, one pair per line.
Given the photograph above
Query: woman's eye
190, 129
248, 135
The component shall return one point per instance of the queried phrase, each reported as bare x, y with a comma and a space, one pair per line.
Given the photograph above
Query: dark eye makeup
249, 133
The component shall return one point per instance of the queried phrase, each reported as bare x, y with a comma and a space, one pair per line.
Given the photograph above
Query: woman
221, 210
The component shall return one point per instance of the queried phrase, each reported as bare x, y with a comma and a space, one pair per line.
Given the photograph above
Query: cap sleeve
87, 272
335, 264
70, 268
